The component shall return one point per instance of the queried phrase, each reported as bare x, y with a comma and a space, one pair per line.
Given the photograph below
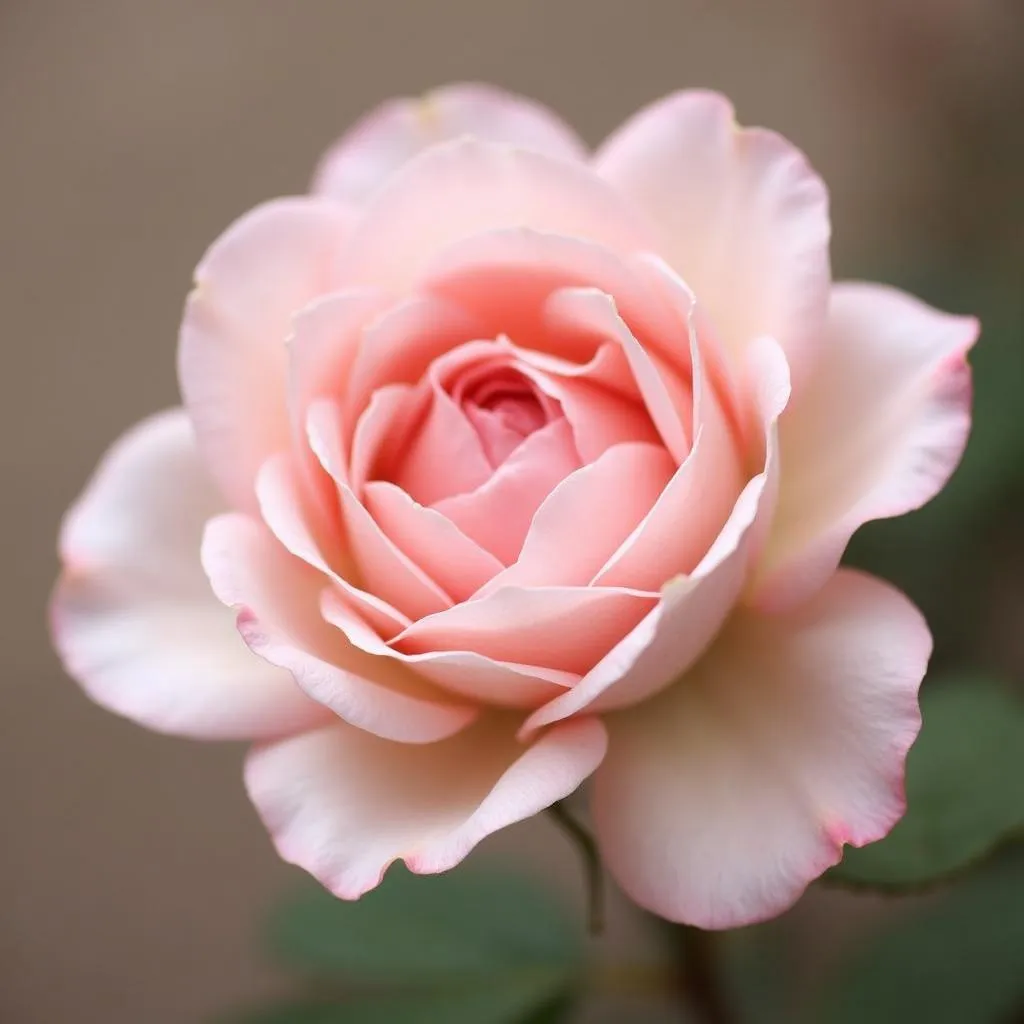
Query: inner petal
472, 410
504, 406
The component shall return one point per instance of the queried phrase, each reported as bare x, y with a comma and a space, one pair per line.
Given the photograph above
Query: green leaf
965, 790
459, 946
957, 961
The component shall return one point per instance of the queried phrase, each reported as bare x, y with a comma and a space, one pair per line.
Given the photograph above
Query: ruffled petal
344, 804
878, 432
134, 618
723, 798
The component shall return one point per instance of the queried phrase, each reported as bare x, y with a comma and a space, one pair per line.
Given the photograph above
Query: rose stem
587, 847
703, 986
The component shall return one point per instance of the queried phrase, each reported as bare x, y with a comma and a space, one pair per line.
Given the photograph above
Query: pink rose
515, 465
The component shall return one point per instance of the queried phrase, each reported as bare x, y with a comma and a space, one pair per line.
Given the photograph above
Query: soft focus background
133, 873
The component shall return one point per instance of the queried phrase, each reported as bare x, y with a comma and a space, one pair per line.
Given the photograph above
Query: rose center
504, 407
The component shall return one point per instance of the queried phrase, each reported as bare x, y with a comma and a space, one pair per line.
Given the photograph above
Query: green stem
592, 866
703, 985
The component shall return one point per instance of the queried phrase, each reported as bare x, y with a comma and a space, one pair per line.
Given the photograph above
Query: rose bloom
503, 465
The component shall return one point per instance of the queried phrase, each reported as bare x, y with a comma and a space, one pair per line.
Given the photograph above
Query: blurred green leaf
957, 961
462, 946
965, 790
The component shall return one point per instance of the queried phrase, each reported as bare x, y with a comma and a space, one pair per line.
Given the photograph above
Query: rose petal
720, 800
277, 598
231, 354
742, 217
280, 498
344, 805
444, 456
498, 514
389, 136
599, 398
399, 347
458, 189
564, 628
682, 523
431, 541
134, 618
692, 608
589, 311
587, 516
498, 683
322, 347
877, 434
503, 278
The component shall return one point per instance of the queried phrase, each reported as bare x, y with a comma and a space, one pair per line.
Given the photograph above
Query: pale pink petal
431, 541
322, 347
587, 516
380, 434
384, 568
344, 805
503, 278
588, 311
280, 498
498, 514
277, 598
443, 457
740, 214
458, 189
690, 512
599, 398
396, 131
399, 347
692, 608
565, 628
232, 357
720, 800
878, 432
466, 673
134, 618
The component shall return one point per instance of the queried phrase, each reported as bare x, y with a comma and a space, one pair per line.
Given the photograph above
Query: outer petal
877, 433
231, 356
459, 189
344, 805
742, 218
386, 138
721, 799
134, 618
277, 597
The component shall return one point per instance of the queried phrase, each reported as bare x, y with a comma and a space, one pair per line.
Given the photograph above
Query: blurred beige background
132, 870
